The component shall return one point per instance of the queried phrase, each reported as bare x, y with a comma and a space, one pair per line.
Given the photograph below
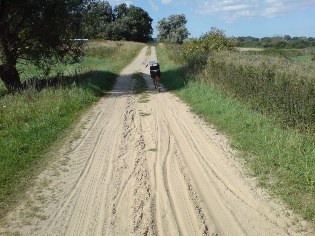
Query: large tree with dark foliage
139, 23
97, 16
120, 23
36, 30
120, 11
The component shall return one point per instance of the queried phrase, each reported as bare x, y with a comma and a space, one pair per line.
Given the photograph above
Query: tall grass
31, 121
284, 53
272, 85
283, 160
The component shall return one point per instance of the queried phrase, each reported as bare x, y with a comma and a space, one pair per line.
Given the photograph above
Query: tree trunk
10, 77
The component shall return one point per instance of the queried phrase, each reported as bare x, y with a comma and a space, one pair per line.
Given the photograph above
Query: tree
120, 23
139, 24
118, 30
96, 19
173, 29
120, 11
130, 23
36, 30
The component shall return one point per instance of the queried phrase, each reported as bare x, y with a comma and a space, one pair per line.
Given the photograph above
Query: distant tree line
121, 22
276, 42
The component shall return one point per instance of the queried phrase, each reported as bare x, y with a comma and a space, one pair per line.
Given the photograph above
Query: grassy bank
30, 122
282, 160
272, 85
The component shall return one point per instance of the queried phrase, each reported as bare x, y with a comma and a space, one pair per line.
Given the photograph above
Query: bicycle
156, 82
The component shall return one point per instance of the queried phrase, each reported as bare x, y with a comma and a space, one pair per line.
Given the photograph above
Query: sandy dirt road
146, 168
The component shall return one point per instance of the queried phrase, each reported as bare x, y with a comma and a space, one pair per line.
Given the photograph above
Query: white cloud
153, 6
117, 2
166, 1
233, 9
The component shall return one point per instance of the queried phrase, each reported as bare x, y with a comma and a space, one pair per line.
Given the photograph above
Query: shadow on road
100, 82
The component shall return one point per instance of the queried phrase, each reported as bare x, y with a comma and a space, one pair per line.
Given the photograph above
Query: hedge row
271, 85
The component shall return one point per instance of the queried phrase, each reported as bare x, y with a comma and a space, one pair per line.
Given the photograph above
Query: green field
33, 120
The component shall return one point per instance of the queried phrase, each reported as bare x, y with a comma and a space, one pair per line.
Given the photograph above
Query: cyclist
155, 73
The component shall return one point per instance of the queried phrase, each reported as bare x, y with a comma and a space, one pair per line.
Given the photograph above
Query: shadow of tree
96, 81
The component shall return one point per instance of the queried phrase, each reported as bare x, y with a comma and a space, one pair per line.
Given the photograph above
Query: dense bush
195, 52
272, 85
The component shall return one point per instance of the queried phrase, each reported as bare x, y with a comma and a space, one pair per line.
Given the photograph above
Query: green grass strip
283, 160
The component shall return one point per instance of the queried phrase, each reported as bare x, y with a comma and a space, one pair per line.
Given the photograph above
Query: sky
256, 18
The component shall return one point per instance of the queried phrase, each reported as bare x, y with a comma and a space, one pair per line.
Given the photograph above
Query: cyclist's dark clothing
155, 70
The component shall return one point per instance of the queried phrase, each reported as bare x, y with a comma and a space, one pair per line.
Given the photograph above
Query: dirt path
146, 168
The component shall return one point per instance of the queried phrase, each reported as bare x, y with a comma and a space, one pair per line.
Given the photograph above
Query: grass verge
32, 121
282, 160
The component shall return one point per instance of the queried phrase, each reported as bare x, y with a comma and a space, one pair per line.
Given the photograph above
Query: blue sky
257, 18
